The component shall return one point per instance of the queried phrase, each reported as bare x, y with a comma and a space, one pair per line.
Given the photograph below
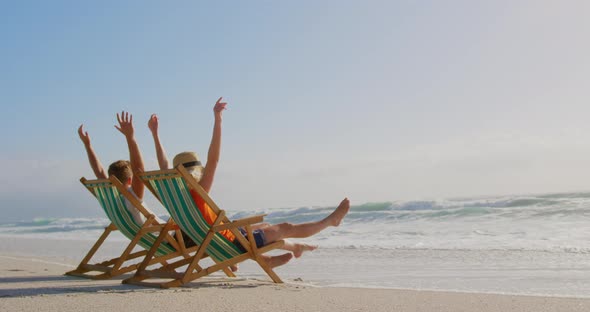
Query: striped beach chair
172, 188
111, 195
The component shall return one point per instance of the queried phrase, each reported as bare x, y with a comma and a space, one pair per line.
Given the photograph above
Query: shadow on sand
67, 285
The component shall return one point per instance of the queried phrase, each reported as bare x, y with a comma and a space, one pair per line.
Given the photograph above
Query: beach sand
33, 284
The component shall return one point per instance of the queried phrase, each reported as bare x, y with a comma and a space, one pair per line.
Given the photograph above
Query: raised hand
125, 124
84, 135
153, 123
218, 108
92, 158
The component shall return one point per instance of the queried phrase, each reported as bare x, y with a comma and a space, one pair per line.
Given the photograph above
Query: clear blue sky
374, 100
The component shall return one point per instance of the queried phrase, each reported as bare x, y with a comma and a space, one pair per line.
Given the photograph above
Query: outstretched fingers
83, 135
125, 121
219, 106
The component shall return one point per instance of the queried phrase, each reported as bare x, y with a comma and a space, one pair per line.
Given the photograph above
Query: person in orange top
208, 214
264, 233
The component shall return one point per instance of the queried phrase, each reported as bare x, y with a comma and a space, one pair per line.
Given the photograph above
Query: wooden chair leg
154, 248
92, 251
125, 256
257, 256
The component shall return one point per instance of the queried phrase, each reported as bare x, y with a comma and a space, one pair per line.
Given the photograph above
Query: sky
374, 100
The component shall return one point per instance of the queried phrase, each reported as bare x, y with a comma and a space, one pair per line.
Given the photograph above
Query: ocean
533, 245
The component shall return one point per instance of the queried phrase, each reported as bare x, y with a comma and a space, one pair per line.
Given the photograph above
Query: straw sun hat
188, 160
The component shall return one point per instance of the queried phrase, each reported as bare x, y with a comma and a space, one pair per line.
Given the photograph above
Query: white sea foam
551, 222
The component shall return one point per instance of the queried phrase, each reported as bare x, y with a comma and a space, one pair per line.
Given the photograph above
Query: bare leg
259, 226
280, 231
276, 232
298, 248
273, 261
276, 261
296, 251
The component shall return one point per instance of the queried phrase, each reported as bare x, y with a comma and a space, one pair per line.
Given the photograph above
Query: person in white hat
190, 160
264, 233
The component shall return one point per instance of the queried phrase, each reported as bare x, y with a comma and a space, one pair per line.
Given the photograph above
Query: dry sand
37, 285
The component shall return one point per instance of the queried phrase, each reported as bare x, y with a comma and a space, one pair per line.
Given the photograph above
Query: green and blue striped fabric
113, 203
174, 194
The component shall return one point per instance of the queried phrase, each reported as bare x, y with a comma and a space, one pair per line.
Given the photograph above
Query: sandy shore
38, 285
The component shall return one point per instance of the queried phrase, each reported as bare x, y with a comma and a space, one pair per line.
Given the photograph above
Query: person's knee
285, 228
277, 231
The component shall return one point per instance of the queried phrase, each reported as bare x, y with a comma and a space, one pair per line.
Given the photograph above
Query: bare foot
337, 215
276, 261
233, 267
300, 248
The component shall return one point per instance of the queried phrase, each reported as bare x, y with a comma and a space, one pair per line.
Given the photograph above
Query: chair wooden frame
119, 265
194, 270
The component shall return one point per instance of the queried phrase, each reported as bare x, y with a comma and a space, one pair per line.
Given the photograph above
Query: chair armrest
239, 222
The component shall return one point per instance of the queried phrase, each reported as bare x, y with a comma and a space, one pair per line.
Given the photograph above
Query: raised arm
126, 128
160, 153
92, 158
214, 148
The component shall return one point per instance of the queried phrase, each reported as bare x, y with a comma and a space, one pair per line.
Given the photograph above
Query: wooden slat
163, 177
124, 270
150, 174
95, 267
239, 223
174, 283
134, 255
252, 241
219, 266
95, 181
163, 274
